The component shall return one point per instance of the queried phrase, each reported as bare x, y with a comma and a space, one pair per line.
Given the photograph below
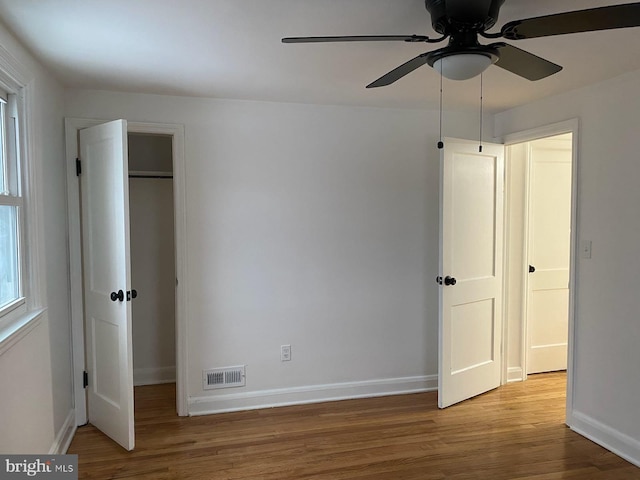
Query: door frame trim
569, 126
72, 127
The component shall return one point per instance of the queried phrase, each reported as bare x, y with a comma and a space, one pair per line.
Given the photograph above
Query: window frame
26, 312
11, 196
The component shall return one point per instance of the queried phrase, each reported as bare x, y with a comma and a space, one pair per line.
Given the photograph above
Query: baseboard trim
65, 435
232, 402
153, 376
617, 442
514, 374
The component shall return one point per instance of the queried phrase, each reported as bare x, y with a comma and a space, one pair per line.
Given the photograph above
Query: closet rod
149, 176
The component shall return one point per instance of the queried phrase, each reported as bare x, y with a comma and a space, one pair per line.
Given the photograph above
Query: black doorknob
450, 280
134, 293
439, 280
532, 269
119, 296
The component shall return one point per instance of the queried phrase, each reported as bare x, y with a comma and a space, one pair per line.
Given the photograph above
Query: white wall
150, 153
607, 330
35, 373
27, 418
314, 226
50, 138
153, 276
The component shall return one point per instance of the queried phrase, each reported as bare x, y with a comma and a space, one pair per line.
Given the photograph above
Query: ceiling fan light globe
462, 66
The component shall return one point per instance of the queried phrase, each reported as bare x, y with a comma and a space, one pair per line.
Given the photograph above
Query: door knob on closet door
117, 296
450, 280
532, 269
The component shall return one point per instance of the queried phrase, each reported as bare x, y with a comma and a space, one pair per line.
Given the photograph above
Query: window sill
9, 309
18, 329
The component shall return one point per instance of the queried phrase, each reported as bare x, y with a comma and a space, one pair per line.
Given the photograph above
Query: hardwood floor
515, 432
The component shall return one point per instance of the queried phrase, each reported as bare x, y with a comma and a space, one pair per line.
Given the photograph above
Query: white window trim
12, 312
27, 311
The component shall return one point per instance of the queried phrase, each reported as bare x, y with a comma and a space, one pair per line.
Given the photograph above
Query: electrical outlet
285, 353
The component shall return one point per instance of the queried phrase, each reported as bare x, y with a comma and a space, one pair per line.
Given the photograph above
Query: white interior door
471, 240
107, 279
549, 254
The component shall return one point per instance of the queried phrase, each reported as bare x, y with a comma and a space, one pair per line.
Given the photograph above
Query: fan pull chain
480, 147
440, 142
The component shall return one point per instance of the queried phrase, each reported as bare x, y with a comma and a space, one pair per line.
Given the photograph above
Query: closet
153, 275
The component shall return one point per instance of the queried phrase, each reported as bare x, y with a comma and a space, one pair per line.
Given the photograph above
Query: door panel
471, 252
549, 253
473, 182
106, 269
472, 326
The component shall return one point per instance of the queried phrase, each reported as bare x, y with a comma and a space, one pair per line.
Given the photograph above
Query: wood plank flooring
515, 432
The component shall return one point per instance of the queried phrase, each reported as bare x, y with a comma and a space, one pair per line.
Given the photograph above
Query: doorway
548, 239
151, 218
176, 132
541, 218
509, 331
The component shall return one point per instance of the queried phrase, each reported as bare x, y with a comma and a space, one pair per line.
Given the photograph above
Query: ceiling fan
463, 21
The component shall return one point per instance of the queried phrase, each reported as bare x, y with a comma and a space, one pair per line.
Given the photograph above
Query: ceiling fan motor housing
453, 16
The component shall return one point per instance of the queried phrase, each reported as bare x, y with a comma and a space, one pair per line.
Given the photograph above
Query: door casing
176, 131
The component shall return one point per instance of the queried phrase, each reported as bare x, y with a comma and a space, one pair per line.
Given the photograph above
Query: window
11, 209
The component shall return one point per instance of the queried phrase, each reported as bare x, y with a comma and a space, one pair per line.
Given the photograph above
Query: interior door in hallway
549, 247
471, 256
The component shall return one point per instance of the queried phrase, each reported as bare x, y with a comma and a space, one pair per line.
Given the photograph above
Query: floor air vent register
225, 377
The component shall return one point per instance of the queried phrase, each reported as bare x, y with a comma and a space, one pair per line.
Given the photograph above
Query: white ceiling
232, 49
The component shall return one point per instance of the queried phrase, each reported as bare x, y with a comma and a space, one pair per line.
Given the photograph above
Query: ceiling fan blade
602, 18
399, 72
523, 63
358, 38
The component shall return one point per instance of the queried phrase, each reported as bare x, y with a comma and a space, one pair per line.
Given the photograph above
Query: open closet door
107, 279
470, 291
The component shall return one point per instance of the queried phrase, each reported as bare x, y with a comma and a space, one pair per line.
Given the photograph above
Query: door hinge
85, 379
78, 167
